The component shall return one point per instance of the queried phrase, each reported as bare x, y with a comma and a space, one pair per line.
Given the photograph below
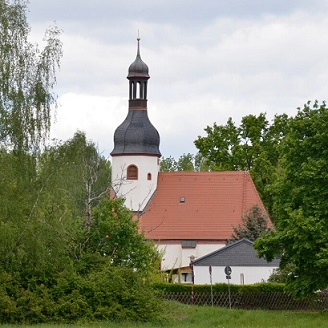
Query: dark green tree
300, 202
254, 223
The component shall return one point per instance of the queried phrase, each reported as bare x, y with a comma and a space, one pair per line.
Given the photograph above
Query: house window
184, 276
132, 172
149, 176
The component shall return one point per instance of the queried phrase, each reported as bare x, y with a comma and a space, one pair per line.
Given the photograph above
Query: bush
109, 293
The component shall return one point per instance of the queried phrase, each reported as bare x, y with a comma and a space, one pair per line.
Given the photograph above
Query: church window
149, 176
132, 172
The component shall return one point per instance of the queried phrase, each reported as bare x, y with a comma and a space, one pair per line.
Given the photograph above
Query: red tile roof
214, 202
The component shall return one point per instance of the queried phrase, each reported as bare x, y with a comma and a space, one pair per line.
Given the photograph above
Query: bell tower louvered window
132, 172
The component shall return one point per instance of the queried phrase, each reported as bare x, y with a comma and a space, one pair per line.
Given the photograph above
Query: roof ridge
203, 172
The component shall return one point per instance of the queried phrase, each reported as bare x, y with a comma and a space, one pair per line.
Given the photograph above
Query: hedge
220, 288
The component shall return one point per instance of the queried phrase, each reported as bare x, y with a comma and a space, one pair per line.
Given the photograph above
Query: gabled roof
239, 253
198, 205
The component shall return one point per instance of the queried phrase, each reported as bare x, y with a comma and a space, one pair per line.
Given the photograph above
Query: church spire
138, 76
136, 135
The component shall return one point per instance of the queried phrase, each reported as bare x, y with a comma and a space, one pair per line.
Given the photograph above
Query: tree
116, 236
253, 224
186, 162
253, 146
168, 164
75, 178
300, 203
53, 215
27, 79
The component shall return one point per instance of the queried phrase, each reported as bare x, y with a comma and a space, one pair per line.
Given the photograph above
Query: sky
208, 60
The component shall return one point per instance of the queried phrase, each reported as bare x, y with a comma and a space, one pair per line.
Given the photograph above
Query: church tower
135, 157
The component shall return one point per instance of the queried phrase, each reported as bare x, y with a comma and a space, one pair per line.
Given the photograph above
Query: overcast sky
208, 60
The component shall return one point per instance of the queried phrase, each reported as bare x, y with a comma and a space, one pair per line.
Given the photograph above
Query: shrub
110, 293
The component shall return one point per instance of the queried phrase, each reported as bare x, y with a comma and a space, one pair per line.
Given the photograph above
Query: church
187, 214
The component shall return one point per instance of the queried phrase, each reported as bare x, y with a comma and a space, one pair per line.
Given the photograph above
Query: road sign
227, 271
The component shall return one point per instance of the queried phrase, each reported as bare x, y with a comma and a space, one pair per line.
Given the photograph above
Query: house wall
174, 256
136, 192
251, 275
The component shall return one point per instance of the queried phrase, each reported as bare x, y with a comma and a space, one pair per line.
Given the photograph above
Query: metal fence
264, 301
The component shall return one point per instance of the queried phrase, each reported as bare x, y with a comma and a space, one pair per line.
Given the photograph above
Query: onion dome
138, 68
136, 135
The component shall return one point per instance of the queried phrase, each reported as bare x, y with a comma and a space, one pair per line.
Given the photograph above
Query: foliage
186, 163
253, 146
221, 288
253, 224
300, 203
49, 256
76, 175
168, 164
27, 79
109, 293
281, 275
115, 235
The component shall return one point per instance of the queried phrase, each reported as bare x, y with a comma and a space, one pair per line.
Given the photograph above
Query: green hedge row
220, 288
109, 294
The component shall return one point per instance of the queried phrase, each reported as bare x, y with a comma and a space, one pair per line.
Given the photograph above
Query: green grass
185, 316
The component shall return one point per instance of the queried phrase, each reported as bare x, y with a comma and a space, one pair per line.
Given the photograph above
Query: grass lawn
186, 316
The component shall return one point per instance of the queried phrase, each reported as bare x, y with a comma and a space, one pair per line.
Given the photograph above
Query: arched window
242, 279
132, 172
138, 90
149, 176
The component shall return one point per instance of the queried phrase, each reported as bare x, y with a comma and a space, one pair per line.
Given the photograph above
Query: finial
138, 39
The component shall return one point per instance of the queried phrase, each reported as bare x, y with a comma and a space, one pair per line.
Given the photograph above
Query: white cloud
231, 59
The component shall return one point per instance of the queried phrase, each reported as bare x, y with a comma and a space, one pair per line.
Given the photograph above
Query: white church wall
240, 275
174, 256
136, 192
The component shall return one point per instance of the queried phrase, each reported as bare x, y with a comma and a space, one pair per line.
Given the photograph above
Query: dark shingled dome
136, 135
138, 68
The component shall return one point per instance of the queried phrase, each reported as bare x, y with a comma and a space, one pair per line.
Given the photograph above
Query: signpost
191, 265
227, 271
210, 271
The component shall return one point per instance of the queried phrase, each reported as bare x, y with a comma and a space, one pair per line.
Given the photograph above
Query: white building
241, 258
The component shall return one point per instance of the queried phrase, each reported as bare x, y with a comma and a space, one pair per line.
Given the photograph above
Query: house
241, 258
188, 214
